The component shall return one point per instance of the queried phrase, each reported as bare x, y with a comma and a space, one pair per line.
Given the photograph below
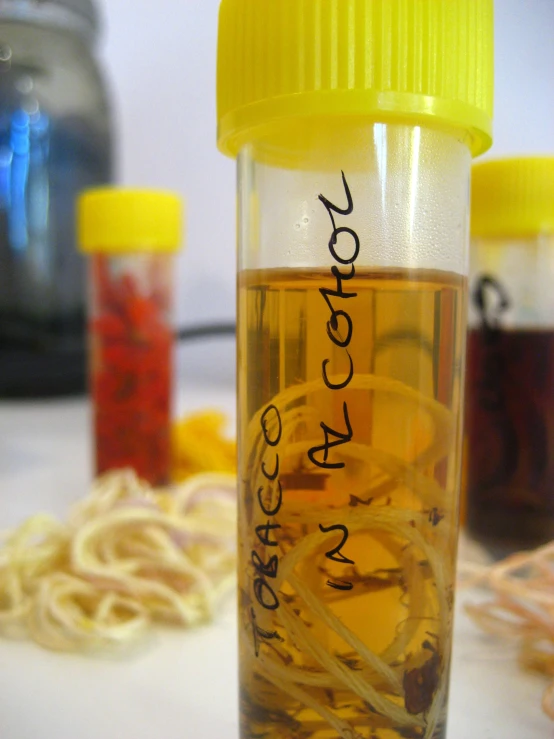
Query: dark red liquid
510, 438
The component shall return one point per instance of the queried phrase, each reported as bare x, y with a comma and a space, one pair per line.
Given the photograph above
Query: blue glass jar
55, 140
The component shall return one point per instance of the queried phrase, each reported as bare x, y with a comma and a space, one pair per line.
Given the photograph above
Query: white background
160, 59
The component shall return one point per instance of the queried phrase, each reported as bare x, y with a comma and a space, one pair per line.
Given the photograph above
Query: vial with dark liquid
510, 375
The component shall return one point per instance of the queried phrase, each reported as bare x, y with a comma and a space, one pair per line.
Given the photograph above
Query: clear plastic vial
510, 388
354, 124
131, 236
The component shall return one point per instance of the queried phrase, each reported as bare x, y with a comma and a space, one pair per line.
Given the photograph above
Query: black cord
208, 330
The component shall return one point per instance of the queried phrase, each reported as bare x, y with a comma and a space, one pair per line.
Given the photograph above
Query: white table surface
183, 685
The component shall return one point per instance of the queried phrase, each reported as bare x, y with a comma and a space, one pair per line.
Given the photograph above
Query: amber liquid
348, 637
510, 438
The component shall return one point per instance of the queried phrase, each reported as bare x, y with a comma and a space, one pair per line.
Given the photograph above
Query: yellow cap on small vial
114, 220
426, 62
513, 197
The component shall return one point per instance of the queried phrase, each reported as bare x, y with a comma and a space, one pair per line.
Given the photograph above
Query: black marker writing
270, 500
344, 247
261, 635
491, 300
319, 455
335, 554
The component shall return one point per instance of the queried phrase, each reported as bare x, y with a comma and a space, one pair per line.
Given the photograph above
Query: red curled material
131, 345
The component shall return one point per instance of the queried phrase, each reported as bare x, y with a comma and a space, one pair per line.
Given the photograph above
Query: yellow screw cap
428, 62
513, 197
120, 221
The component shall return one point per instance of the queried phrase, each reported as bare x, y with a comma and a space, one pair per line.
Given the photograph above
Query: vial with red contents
131, 359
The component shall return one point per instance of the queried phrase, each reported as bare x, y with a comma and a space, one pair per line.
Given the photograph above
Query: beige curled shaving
128, 557
522, 608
